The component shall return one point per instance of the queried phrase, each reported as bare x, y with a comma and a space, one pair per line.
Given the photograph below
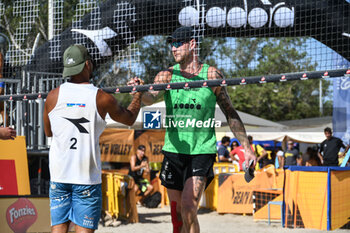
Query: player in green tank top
190, 148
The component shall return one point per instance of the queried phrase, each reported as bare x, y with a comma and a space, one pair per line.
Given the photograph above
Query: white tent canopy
311, 136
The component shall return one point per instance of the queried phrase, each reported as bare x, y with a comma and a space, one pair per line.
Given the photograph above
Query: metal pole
40, 117
19, 111
321, 101
51, 20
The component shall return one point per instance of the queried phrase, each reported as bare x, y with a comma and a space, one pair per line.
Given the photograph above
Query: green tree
273, 101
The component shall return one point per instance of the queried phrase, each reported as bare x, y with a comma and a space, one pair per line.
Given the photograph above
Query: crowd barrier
262, 210
317, 197
210, 195
118, 196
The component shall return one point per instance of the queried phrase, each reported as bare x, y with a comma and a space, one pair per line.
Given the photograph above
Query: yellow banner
153, 140
15, 152
117, 145
24, 215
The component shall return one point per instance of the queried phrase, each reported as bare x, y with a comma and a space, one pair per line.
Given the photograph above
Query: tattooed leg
193, 189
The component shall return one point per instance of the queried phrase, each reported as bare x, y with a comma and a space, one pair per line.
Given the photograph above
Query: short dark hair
250, 138
225, 139
327, 129
235, 142
141, 147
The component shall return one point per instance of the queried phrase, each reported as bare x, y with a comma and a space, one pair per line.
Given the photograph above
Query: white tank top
76, 127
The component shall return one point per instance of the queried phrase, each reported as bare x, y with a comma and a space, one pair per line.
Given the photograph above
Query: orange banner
25, 215
117, 145
306, 199
235, 194
340, 189
262, 198
153, 140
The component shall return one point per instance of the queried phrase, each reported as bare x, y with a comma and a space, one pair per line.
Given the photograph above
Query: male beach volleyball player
74, 117
189, 153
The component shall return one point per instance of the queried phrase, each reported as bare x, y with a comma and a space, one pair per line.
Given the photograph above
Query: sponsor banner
117, 145
25, 215
14, 175
341, 108
235, 195
153, 140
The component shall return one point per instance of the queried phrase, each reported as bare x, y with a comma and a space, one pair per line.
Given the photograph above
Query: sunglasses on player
178, 44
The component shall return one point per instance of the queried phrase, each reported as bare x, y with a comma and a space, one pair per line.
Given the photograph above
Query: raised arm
233, 119
106, 103
149, 98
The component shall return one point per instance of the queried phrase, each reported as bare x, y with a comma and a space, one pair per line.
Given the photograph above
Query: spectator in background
223, 154
7, 133
291, 156
279, 155
311, 157
237, 155
139, 167
330, 148
260, 153
234, 145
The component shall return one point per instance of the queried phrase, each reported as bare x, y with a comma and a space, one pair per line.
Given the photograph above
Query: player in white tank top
74, 116
75, 156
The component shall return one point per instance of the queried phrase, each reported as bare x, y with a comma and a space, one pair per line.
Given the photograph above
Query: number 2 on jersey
73, 147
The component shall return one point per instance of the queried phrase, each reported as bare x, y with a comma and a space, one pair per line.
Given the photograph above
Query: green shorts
143, 184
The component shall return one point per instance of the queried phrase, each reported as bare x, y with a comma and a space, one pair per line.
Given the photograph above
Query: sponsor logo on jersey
76, 105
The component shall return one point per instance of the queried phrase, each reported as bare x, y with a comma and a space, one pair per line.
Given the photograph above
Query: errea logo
70, 61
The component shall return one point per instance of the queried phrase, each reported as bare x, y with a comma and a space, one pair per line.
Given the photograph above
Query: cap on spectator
141, 147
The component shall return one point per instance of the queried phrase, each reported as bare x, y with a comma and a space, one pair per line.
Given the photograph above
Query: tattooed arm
231, 114
149, 98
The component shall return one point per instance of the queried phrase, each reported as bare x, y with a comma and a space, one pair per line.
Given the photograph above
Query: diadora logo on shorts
152, 119
247, 13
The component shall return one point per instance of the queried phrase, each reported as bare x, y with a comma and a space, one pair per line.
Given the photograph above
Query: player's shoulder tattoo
214, 73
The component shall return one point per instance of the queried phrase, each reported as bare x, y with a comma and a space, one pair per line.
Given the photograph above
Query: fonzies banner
113, 25
20, 215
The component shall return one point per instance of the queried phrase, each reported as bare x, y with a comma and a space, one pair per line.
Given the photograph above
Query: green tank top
189, 121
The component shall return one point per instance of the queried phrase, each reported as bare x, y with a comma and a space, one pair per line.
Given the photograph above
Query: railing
26, 115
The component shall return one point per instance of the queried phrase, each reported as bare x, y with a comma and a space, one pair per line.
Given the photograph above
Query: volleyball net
258, 42
128, 38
